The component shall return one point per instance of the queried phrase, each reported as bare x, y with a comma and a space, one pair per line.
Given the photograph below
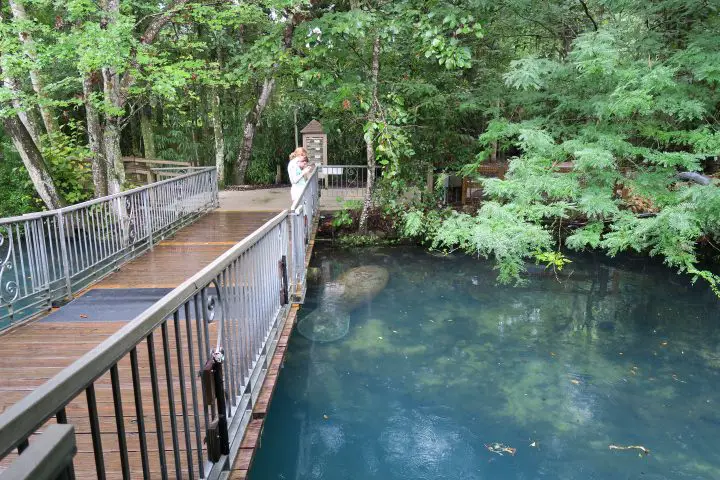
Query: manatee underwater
331, 320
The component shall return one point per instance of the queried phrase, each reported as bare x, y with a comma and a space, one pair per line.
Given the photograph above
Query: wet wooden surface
174, 260
33, 353
19, 378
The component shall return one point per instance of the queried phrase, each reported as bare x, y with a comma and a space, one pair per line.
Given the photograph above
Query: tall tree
94, 131
370, 136
146, 128
253, 119
117, 84
216, 118
20, 16
22, 129
33, 160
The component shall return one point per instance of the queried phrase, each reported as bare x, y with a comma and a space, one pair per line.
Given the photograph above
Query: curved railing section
182, 377
45, 257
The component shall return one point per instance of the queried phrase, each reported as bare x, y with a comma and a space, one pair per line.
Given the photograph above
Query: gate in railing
171, 393
47, 256
347, 182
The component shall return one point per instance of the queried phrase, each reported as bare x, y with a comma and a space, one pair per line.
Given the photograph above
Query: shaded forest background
623, 92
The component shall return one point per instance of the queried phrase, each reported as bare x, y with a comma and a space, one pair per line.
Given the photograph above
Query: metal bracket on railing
217, 438
9, 289
213, 387
305, 229
213, 304
282, 267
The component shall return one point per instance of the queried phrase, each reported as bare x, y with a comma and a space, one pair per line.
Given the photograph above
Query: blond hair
299, 152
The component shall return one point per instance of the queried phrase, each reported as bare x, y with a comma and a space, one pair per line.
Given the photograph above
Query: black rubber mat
108, 305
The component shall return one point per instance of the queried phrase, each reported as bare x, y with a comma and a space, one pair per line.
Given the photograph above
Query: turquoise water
443, 363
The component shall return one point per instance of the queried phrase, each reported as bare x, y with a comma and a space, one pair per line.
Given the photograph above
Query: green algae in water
444, 362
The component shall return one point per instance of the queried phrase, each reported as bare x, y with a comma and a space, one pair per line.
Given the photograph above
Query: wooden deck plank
33, 353
45, 348
174, 260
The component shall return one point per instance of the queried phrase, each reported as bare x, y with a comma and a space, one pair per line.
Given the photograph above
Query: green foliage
442, 39
69, 162
354, 240
345, 217
497, 231
595, 107
626, 119
67, 159
552, 259
16, 193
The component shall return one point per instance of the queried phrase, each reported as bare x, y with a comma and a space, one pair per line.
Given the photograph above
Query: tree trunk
18, 11
94, 129
148, 139
115, 105
111, 133
135, 139
297, 131
115, 90
34, 162
216, 116
113, 157
25, 118
369, 139
253, 121
195, 141
28, 147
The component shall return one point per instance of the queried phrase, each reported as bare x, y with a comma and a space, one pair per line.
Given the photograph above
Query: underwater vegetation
443, 374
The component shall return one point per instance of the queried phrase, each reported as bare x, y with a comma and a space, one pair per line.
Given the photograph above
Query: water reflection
443, 362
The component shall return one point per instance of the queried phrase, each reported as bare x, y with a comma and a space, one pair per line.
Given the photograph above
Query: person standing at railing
299, 171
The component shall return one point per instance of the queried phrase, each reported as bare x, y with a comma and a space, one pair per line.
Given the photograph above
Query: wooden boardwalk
33, 353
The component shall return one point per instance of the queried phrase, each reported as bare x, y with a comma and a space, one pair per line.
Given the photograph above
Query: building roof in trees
313, 127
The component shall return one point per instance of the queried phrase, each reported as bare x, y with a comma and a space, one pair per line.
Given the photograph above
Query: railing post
216, 190
64, 254
148, 219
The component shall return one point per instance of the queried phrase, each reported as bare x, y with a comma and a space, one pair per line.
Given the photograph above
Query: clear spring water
443, 362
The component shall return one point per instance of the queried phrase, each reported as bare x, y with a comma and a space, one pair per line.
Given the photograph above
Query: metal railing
182, 378
302, 215
173, 172
346, 181
47, 256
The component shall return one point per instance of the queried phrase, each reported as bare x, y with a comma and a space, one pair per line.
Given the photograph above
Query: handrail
324, 166
349, 181
303, 212
47, 256
299, 200
47, 458
94, 201
243, 297
162, 169
23, 418
153, 160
